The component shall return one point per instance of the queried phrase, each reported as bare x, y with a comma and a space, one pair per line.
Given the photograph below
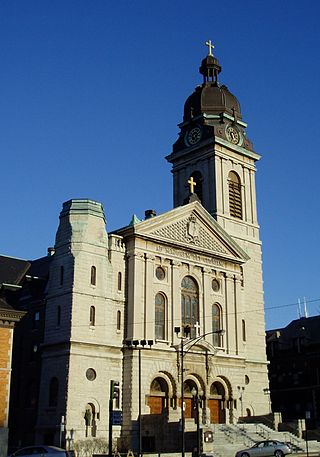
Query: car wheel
245, 454
278, 453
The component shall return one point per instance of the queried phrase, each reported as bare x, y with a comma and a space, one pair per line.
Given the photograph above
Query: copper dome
211, 97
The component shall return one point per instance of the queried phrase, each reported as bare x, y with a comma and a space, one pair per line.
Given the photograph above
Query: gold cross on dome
192, 184
210, 46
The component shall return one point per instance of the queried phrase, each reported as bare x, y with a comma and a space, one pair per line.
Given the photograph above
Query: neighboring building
12, 274
197, 266
27, 352
294, 370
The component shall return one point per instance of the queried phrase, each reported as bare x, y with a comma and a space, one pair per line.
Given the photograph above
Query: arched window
119, 280
92, 317
197, 177
53, 392
160, 317
118, 320
93, 275
244, 336
58, 316
189, 304
235, 201
61, 275
216, 325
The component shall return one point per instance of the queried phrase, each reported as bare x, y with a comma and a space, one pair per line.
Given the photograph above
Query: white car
42, 451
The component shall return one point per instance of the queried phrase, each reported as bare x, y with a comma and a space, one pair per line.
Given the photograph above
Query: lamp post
186, 332
139, 345
197, 401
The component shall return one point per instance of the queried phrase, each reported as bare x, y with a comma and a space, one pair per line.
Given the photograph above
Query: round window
246, 379
215, 285
91, 374
160, 273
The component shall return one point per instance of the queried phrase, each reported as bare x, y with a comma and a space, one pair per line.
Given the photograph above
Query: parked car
42, 451
266, 449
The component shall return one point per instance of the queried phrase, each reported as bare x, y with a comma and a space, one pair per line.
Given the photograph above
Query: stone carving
189, 230
192, 233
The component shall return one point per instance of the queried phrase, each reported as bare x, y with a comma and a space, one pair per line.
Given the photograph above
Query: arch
53, 392
93, 276
189, 304
216, 325
92, 316
90, 417
160, 316
197, 177
217, 401
235, 198
158, 398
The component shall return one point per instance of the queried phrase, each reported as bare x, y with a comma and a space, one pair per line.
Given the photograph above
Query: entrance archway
158, 398
189, 410
216, 403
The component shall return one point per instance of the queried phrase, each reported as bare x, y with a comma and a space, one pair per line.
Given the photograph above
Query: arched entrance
90, 420
216, 403
158, 398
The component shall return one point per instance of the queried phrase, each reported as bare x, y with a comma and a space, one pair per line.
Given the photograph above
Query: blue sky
91, 95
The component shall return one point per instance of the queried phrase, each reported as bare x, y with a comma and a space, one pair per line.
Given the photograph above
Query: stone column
238, 316
175, 297
149, 305
136, 296
230, 314
253, 197
206, 287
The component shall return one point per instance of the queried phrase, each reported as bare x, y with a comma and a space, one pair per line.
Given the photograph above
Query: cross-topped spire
210, 47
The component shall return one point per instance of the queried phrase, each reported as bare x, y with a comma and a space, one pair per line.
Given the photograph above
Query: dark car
42, 451
266, 449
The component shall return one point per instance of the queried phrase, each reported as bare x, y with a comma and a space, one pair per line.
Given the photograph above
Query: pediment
193, 227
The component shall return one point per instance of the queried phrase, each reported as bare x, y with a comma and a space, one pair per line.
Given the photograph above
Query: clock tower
214, 151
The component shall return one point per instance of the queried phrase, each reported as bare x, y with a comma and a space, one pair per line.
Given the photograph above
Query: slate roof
12, 270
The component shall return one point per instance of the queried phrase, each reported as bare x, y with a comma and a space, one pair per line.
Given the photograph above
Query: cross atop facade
197, 327
210, 46
192, 184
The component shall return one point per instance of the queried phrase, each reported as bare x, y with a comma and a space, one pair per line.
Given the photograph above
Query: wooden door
156, 405
215, 411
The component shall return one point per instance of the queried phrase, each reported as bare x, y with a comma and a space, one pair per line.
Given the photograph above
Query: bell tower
214, 152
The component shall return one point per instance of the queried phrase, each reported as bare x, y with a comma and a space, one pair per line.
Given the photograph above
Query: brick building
12, 274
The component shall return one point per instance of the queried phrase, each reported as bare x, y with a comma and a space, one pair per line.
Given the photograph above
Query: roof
12, 270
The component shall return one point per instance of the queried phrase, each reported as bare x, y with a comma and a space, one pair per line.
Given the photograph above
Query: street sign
117, 417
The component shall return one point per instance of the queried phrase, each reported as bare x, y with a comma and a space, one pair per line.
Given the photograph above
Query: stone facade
181, 288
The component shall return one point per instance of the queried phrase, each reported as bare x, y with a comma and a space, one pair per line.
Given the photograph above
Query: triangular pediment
191, 226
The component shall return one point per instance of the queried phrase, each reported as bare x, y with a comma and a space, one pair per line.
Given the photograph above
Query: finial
210, 47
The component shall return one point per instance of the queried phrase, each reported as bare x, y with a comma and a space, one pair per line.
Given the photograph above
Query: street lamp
195, 340
197, 402
138, 345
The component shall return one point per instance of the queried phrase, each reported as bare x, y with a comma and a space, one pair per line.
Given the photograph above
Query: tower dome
211, 97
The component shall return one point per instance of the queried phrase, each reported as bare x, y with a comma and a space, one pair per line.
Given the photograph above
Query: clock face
193, 136
232, 134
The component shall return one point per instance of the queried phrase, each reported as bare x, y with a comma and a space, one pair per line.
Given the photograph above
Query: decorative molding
189, 230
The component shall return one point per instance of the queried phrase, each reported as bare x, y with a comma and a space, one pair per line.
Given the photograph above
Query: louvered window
235, 202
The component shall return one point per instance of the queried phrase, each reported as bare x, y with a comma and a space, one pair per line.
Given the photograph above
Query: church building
171, 307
